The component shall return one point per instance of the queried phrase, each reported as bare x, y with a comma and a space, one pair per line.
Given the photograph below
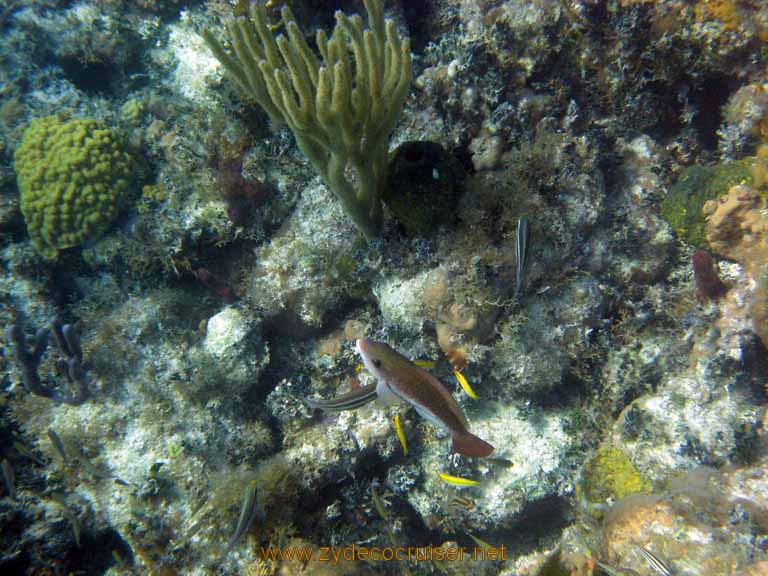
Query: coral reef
569, 232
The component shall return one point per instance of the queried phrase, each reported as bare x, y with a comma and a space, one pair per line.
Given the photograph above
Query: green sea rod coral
73, 177
341, 107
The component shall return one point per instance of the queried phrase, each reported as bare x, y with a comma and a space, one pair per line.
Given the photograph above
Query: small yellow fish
425, 363
401, 434
359, 368
465, 385
458, 480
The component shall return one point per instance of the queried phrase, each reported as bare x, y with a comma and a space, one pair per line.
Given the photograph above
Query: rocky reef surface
153, 415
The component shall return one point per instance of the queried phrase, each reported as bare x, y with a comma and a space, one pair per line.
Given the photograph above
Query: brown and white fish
400, 380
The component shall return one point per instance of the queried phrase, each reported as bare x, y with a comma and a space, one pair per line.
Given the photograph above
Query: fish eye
377, 362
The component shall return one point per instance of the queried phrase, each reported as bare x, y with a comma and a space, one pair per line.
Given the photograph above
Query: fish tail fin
470, 445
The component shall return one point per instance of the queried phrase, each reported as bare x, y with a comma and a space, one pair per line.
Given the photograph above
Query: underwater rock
486, 151
225, 331
525, 368
537, 447
401, 302
423, 184
579, 115
691, 419
641, 243
737, 228
308, 268
693, 507
682, 207
235, 342
634, 369
745, 117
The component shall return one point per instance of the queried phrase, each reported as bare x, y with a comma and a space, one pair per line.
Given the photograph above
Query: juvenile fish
480, 542
465, 385
522, 253
247, 513
458, 480
58, 445
25, 451
9, 478
69, 516
500, 462
349, 401
611, 571
657, 564
401, 434
461, 502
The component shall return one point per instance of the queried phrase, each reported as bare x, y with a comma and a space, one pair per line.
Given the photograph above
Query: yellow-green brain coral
73, 176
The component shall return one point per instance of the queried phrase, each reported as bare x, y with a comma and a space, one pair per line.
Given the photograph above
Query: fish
461, 502
657, 564
378, 503
500, 462
611, 571
88, 467
8, 478
401, 434
248, 510
465, 385
58, 445
480, 542
522, 253
355, 399
458, 480
400, 380
26, 452
68, 515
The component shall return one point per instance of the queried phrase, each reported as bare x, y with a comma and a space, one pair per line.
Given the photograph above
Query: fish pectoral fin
470, 445
429, 417
348, 401
386, 397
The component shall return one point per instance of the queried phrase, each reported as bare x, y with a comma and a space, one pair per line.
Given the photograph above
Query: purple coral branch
68, 344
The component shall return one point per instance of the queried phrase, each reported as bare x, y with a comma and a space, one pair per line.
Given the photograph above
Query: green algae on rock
611, 474
697, 184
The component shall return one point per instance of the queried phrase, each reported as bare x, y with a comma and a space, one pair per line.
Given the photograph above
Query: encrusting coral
341, 110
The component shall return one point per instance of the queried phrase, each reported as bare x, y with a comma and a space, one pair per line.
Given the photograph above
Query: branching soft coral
341, 107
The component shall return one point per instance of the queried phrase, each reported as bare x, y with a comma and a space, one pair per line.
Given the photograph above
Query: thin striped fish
522, 253
348, 401
657, 564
